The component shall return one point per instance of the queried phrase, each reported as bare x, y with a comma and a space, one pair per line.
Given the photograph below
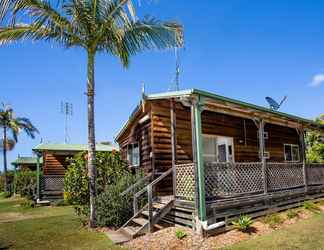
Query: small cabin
55, 162
216, 157
23, 163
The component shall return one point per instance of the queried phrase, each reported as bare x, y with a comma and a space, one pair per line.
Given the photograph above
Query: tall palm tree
12, 124
96, 26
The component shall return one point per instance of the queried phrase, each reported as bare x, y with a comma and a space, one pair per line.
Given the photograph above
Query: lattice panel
185, 181
52, 183
315, 174
224, 180
281, 176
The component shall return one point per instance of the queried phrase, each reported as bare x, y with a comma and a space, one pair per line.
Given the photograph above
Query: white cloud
317, 80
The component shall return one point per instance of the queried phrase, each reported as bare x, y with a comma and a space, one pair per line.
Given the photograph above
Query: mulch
166, 239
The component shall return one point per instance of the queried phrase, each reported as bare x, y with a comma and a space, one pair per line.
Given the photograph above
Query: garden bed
166, 238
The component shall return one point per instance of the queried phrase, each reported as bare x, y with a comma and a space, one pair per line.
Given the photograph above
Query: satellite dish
273, 104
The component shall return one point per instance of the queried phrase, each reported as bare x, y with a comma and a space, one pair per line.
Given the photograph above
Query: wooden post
262, 158
200, 159
38, 175
150, 207
173, 145
303, 155
135, 205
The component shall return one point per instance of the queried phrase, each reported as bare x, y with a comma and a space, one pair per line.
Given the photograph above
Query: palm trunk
91, 139
5, 183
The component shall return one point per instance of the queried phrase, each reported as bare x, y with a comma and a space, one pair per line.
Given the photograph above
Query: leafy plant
5, 195
26, 183
311, 206
292, 214
180, 234
243, 223
113, 178
27, 204
273, 220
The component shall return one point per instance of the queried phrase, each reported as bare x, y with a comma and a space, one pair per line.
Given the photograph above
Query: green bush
112, 208
243, 223
311, 206
273, 220
292, 214
5, 194
26, 183
10, 180
113, 177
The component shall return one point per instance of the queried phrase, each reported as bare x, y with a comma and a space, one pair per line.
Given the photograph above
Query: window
133, 154
291, 152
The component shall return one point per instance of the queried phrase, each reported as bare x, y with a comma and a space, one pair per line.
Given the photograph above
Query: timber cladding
55, 164
154, 136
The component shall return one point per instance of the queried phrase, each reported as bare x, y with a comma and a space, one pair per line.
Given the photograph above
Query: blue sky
244, 49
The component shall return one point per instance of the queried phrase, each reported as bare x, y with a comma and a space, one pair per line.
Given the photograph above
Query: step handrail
148, 189
136, 184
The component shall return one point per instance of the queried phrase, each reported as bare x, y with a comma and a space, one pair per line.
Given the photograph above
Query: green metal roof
26, 160
73, 147
190, 92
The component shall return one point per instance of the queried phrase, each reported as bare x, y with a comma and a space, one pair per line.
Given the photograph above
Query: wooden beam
262, 158
38, 175
301, 133
173, 121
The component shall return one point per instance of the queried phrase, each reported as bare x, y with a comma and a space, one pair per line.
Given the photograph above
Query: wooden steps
139, 223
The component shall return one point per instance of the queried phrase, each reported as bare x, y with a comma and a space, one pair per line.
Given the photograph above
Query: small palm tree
12, 124
96, 26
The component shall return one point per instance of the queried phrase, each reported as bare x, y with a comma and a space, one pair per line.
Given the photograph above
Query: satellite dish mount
273, 105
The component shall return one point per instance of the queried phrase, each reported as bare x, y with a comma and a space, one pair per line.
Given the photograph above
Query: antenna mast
175, 85
67, 111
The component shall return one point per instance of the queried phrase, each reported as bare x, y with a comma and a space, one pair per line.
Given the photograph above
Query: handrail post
135, 204
150, 207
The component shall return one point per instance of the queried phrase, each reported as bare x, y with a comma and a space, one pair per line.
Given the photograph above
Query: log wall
55, 164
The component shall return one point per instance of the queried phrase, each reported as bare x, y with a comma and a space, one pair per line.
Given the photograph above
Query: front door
218, 148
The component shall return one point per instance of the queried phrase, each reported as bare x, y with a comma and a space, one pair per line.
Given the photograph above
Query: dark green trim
38, 175
200, 159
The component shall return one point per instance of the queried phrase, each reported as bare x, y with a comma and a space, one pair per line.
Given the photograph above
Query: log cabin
208, 158
26, 163
55, 162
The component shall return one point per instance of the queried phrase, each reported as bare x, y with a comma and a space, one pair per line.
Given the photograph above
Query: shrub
273, 220
112, 208
292, 214
180, 234
5, 195
311, 206
10, 180
113, 177
26, 183
243, 223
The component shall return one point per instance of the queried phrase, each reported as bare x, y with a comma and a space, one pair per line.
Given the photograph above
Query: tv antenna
175, 85
273, 104
67, 111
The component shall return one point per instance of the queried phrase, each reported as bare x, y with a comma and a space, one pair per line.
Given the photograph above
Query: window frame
130, 154
291, 152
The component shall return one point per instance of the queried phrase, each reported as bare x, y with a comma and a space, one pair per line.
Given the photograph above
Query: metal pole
303, 156
150, 207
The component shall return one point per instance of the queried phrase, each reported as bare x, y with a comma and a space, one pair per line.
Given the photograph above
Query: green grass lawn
45, 228
306, 234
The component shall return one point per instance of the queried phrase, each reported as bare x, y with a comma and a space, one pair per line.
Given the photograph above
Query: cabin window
291, 152
133, 154
218, 148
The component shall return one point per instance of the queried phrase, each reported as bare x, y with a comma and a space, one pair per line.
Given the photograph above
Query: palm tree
12, 124
106, 26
